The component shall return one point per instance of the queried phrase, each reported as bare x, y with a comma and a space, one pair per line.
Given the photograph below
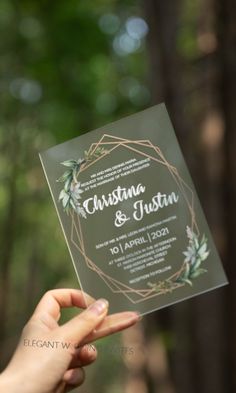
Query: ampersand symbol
121, 218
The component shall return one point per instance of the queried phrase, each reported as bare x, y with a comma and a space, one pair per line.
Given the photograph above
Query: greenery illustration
71, 193
195, 254
98, 152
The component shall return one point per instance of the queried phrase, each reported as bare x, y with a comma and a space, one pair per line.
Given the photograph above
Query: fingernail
138, 316
133, 317
92, 347
99, 306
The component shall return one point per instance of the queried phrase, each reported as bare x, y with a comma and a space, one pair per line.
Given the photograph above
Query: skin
35, 369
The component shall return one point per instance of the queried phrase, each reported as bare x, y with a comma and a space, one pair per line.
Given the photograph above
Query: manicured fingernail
99, 306
138, 316
133, 317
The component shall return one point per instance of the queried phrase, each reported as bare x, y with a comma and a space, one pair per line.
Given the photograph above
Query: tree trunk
227, 86
197, 324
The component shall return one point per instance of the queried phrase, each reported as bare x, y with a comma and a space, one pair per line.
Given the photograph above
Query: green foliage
59, 77
72, 190
195, 254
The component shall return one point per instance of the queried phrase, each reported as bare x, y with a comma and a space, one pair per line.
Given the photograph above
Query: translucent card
130, 214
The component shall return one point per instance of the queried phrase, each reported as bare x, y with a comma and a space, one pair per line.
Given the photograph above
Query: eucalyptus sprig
72, 191
195, 254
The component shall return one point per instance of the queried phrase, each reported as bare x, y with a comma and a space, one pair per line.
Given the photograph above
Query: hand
49, 358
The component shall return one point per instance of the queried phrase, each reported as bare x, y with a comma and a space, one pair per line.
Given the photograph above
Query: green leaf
197, 273
186, 271
196, 265
205, 255
65, 200
72, 203
202, 249
61, 195
196, 243
65, 176
67, 183
184, 281
69, 163
189, 282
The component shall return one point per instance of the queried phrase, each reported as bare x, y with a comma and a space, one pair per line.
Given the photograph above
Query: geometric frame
145, 148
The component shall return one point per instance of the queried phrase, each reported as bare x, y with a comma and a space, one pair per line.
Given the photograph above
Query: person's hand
50, 358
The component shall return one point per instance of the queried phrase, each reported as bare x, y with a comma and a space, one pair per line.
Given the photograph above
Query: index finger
112, 324
55, 299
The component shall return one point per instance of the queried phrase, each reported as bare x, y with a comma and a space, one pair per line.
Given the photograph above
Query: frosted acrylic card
130, 214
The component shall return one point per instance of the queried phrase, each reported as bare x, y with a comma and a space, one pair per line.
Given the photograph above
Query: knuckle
87, 319
90, 350
86, 322
48, 293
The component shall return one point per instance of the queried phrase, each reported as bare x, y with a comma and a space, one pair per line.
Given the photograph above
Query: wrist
5, 385
9, 383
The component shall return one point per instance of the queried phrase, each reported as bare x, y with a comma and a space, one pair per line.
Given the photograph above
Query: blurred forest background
70, 66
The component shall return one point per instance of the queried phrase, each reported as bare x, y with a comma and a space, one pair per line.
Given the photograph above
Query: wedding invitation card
130, 214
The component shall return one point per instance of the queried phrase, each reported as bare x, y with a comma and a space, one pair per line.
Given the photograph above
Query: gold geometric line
154, 294
152, 157
103, 276
89, 263
180, 184
97, 159
116, 281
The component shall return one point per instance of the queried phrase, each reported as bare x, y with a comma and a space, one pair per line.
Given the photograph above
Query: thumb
80, 326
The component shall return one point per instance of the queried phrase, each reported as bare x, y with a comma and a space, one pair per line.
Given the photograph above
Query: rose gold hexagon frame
113, 143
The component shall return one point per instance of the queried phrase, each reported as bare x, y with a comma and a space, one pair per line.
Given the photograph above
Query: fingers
83, 324
53, 300
88, 325
112, 324
84, 356
74, 377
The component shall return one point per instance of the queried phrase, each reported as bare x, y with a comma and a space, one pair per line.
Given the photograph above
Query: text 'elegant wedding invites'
132, 220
